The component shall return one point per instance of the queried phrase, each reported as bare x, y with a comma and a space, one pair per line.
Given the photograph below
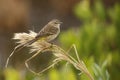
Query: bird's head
55, 22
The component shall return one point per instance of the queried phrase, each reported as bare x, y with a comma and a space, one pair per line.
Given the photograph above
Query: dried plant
41, 46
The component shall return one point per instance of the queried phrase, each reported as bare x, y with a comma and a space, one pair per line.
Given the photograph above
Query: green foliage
11, 74
54, 75
97, 37
82, 10
64, 74
100, 72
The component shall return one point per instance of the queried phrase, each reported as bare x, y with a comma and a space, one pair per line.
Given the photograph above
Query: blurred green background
93, 25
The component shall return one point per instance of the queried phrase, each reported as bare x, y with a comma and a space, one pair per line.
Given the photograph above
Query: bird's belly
51, 37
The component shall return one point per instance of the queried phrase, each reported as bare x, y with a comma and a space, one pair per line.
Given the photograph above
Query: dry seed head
24, 37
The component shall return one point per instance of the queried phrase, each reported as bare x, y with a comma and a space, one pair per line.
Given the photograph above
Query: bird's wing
46, 31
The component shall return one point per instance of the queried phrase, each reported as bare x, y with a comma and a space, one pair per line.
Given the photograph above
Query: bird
48, 33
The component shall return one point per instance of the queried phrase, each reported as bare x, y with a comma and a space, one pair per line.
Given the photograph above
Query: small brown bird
48, 33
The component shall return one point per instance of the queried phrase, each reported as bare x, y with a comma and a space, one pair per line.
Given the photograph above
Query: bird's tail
30, 42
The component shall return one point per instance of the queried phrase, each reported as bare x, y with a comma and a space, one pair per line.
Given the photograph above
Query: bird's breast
52, 37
